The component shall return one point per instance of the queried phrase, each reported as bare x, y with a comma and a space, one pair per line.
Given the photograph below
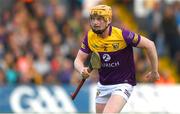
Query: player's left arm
150, 49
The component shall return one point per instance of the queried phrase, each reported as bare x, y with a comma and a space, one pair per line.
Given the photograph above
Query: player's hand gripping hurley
95, 63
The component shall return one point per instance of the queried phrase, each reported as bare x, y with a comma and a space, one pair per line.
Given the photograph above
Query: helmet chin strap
100, 31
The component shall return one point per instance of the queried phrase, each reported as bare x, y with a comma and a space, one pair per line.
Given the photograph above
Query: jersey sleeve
131, 38
84, 45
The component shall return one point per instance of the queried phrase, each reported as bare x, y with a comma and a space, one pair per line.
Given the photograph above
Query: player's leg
118, 99
114, 104
102, 98
100, 107
101, 103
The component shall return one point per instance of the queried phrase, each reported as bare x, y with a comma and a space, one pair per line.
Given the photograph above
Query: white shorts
105, 91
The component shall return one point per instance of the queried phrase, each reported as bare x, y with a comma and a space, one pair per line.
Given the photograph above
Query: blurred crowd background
39, 39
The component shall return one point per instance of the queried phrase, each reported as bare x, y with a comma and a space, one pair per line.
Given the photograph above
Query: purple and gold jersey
116, 55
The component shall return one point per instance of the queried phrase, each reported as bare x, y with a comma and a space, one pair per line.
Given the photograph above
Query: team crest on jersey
115, 46
106, 57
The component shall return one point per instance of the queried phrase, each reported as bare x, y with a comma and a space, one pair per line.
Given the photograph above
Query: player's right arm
79, 60
79, 64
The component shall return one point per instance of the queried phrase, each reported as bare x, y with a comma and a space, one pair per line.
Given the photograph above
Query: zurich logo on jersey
106, 57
